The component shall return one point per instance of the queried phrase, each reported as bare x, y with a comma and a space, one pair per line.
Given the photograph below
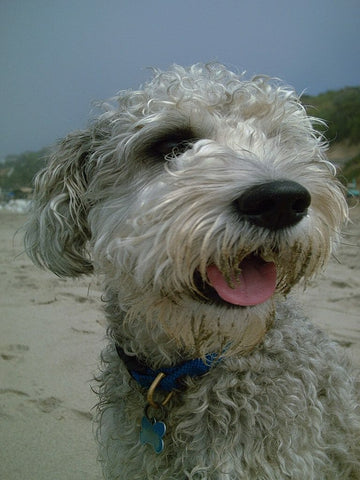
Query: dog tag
152, 432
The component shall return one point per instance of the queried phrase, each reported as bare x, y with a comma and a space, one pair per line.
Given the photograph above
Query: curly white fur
145, 197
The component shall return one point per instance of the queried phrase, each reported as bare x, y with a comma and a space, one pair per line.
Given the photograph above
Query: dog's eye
172, 145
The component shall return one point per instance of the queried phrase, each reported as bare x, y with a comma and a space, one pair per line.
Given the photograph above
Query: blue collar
145, 375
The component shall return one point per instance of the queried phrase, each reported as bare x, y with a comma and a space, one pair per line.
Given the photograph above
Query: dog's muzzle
273, 206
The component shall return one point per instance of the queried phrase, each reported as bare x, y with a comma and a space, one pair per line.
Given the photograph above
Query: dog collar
168, 379
173, 376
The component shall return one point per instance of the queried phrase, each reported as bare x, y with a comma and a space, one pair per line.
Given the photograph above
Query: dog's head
201, 198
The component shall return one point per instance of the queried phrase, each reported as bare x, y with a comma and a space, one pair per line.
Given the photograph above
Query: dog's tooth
268, 257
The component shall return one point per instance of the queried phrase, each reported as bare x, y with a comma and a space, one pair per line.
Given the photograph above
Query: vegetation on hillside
341, 111
351, 170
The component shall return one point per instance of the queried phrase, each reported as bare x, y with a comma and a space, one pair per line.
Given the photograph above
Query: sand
51, 334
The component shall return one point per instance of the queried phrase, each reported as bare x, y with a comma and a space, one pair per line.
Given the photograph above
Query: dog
201, 200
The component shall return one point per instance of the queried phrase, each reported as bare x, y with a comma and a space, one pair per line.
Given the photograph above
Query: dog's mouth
253, 283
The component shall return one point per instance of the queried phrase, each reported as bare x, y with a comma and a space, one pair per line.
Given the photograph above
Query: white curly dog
201, 200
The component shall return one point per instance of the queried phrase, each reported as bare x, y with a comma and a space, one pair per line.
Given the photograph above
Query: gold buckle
151, 391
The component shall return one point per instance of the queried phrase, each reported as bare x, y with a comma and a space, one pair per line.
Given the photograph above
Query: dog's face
202, 199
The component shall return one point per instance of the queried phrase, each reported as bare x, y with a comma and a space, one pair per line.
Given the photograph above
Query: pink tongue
255, 284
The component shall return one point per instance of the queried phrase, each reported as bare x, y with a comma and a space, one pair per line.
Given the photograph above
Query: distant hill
17, 171
340, 109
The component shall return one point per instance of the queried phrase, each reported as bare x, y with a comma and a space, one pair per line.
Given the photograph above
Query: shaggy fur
148, 198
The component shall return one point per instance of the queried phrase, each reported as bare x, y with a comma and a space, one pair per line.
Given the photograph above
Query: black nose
274, 205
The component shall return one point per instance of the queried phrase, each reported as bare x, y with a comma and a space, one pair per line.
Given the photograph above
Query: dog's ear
57, 233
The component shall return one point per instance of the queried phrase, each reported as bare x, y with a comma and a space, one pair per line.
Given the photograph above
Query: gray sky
57, 56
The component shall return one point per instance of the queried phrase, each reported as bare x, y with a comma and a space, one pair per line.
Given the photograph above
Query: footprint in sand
78, 298
47, 405
341, 284
13, 352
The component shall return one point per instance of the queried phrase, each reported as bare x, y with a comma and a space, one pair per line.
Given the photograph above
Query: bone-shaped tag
152, 433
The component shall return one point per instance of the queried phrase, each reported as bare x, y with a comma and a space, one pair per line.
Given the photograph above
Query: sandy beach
51, 334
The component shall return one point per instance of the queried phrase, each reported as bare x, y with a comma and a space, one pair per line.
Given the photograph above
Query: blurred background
59, 55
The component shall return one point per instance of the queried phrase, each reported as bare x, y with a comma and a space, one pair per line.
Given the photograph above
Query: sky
59, 56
